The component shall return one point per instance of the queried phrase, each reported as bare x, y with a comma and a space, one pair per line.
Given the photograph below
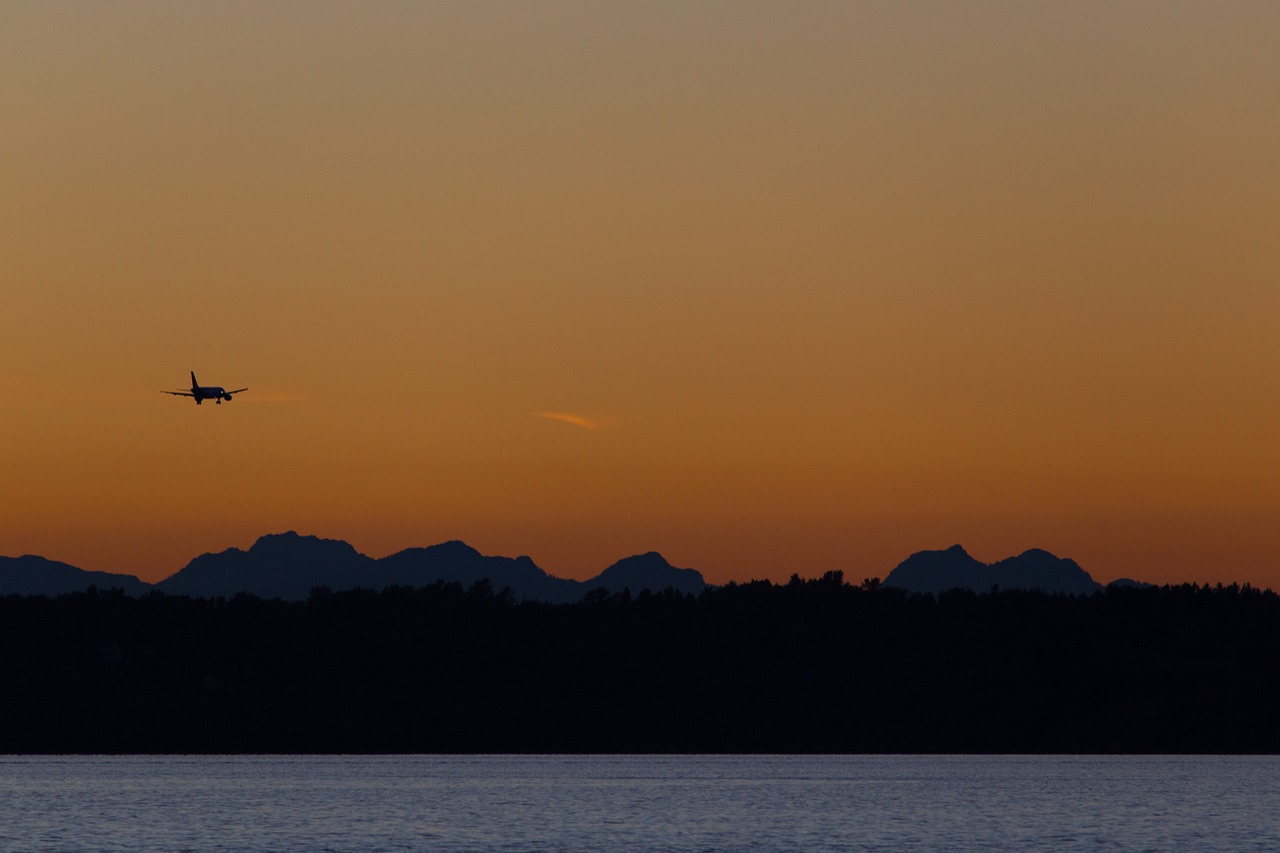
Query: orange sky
769, 288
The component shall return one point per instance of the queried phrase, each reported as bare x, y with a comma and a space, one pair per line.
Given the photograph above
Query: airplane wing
179, 393
237, 391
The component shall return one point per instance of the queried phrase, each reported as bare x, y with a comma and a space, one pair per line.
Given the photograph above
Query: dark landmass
456, 562
647, 571
807, 666
283, 565
30, 575
939, 571
289, 566
1130, 583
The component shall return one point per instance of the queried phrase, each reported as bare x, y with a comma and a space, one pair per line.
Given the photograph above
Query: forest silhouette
808, 666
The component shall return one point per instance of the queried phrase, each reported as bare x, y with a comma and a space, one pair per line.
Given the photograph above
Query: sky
769, 288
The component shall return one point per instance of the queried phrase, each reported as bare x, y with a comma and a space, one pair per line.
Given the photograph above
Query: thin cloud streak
575, 420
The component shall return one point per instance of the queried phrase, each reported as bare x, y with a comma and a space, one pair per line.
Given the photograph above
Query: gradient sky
767, 287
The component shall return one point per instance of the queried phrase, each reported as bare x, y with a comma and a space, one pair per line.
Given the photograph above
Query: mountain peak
291, 540
278, 565
1039, 554
1039, 569
454, 548
1035, 568
32, 575
649, 558
934, 571
649, 571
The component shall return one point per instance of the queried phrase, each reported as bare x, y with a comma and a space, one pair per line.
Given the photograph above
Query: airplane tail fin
194, 383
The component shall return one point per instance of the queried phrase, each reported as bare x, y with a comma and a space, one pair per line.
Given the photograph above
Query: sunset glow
843, 281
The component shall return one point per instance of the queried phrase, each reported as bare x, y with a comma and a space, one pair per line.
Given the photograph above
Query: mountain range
289, 566
937, 571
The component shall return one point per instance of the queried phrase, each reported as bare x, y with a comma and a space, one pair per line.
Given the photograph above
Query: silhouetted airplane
205, 392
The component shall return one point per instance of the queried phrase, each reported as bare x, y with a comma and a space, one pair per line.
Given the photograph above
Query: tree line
815, 665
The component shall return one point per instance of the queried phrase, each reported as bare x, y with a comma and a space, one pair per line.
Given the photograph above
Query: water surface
668, 803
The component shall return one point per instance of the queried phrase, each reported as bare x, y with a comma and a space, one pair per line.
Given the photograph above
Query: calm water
609, 803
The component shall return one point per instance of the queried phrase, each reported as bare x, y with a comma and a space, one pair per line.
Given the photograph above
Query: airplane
205, 392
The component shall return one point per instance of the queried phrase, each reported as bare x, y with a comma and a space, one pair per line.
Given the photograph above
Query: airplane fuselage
200, 393
209, 392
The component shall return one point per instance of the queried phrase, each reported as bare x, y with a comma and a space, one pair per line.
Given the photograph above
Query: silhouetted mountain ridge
954, 568
278, 565
289, 565
30, 575
636, 573
457, 562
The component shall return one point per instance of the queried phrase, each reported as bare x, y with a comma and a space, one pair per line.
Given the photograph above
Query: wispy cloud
575, 420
